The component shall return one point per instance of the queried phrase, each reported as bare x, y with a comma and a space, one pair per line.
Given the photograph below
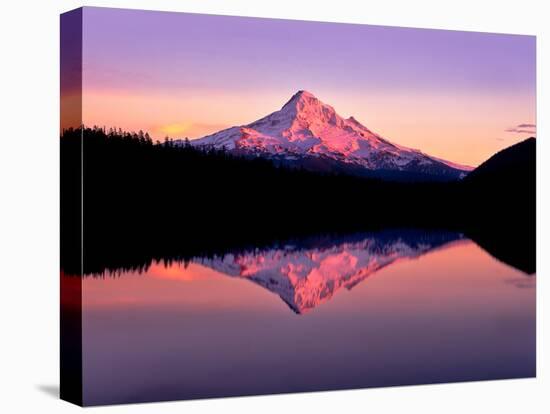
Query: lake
334, 312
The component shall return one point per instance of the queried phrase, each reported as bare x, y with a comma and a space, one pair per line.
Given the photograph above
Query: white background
29, 192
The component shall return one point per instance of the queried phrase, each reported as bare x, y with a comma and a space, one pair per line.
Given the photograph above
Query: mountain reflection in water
309, 274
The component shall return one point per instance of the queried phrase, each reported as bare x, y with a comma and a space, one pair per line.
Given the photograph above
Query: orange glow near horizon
458, 128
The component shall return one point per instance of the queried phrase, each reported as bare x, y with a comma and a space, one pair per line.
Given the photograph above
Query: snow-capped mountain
308, 275
308, 133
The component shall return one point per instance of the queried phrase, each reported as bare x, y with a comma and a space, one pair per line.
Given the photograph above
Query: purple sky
446, 92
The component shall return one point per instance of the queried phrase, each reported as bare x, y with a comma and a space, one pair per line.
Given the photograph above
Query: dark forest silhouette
145, 201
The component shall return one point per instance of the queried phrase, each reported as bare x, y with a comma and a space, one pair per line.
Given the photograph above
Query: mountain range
307, 133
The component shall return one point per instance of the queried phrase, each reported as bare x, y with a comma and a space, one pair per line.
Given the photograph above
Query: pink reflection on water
303, 279
220, 327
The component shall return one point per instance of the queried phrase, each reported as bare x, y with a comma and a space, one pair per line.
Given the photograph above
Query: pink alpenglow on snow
307, 127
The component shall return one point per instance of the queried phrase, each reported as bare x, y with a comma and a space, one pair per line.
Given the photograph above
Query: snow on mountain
304, 277
305, 127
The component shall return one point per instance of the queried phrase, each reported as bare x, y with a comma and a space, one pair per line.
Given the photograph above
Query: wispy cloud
523, 129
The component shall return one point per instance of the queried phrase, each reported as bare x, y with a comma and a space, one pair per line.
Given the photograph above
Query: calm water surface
362, 311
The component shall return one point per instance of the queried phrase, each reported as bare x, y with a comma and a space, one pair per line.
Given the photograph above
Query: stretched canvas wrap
259, 206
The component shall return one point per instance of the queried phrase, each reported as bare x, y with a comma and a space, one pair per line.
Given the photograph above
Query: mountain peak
301, 97
305, 94
308, 110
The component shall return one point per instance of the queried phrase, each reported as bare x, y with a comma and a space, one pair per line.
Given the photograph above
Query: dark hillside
500, 195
